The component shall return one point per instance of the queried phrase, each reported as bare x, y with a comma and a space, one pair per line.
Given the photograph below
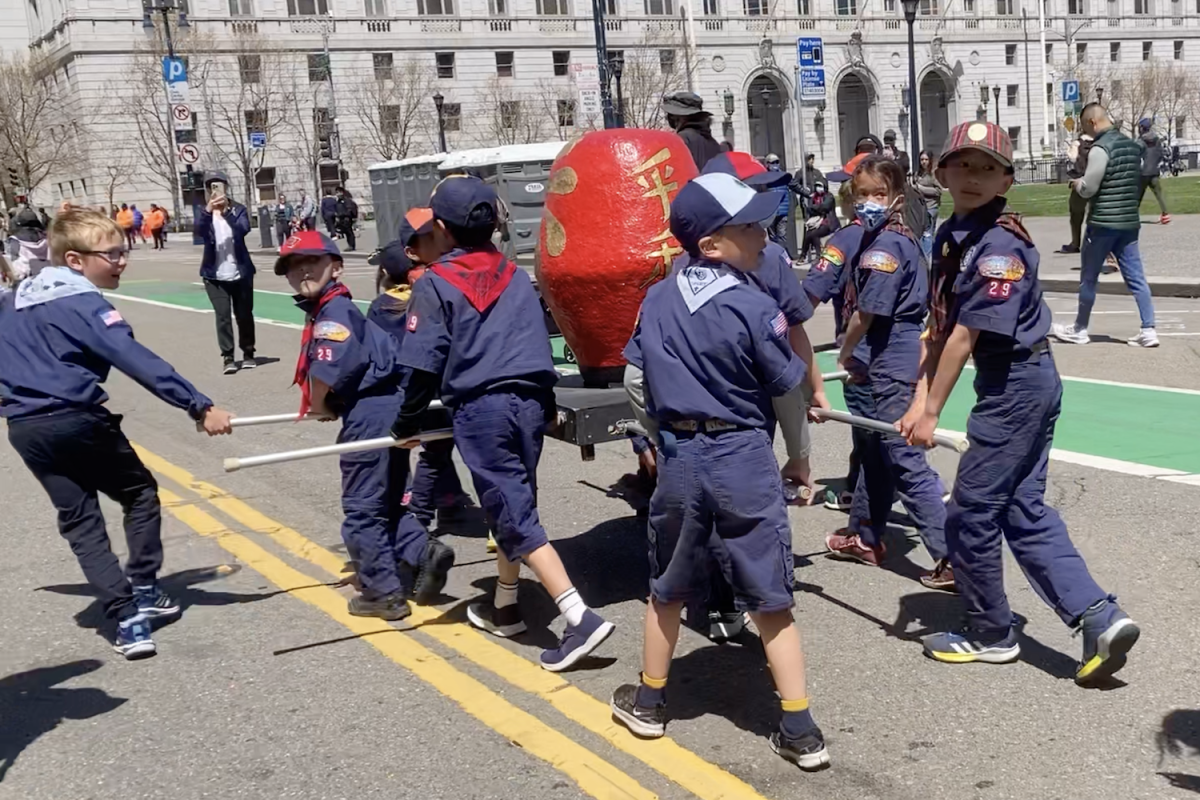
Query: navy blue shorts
723, 491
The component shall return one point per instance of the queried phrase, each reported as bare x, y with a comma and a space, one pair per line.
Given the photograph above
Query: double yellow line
591, 773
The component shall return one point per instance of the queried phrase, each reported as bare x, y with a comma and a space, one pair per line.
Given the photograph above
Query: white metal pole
361, 446
939, 439
1046, 118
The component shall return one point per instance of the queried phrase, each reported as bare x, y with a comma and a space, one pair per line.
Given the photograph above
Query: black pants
329, 226
1154, 183
160, 237
1077, 204
283, 230
76, 455
811, 248
238, 297
346, 228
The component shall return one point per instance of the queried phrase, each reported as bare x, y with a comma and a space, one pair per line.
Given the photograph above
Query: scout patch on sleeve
110, 318
333, 331
880, 261
1001, 267
833, 255
779, 325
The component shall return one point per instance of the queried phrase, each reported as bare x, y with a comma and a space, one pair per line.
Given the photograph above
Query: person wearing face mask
888, 289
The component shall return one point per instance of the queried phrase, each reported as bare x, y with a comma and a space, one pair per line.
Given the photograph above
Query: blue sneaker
133, 638
965, 646
577, 642
154, 603
1108, 635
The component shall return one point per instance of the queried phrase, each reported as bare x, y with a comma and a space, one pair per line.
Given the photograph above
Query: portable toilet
397, 186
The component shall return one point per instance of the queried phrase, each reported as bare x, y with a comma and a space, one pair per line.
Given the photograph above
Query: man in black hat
687, 117
894, 153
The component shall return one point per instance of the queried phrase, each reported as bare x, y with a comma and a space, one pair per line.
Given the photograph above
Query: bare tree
509, 117
559, 104
653, 68
392, 107
118, 166
40, 125
310, 124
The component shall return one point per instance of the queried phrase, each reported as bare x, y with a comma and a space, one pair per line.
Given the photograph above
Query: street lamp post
984, 98
727, 128
914, 115
164, 7
617, 66
437, 102
766, 122
996, 96
1100, 95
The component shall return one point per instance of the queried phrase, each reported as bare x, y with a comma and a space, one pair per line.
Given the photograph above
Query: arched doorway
854, 100
935, 111
765, 105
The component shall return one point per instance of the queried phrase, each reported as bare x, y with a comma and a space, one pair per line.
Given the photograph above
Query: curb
1112, 284
272, 253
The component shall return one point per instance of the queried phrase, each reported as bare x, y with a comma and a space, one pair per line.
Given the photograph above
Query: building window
610, 8
660, 8
1179, 51
845, 8
435, 8
1014, 133
1010, 55
562, 62
504, 63
1076, 8
666, 61
318, 68
1114, 51
1004, 8
889, 6
552, 8
241, 8
1114, 8
928, 8
376, 8
759, 8
1141, 7
1147, 50
264, 181
510, 113
1080, 52
256, 121
1012, 94
1050, 94
307, 8
445, 65
250, 68
969, 7
389, 120
1181, 127
566, 113
498, 8
452, 117
803, 7
383, 66
1049, 52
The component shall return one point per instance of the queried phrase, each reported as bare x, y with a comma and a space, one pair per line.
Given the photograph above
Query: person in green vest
1112, 182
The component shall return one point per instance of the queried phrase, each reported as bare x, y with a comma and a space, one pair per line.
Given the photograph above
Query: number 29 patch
324, 353
999, 290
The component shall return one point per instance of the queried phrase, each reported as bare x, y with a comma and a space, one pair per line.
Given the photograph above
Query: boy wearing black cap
987, 305
714, 351
476, 334
348, 368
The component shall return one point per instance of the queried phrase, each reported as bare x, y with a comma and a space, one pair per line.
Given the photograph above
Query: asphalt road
265, 688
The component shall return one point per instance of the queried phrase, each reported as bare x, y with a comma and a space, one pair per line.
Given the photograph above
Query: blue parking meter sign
258, 140
812, 84
1070, 91
810, 52
174, 70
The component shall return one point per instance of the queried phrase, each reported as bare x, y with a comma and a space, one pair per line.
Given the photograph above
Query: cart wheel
568, 354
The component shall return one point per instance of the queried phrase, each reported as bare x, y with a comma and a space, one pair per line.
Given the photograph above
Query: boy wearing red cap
987, 304
349, 368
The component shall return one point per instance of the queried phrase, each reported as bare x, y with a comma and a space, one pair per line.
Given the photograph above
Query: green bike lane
1138, 430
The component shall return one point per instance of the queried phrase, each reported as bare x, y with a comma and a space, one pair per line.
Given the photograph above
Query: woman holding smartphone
227, 270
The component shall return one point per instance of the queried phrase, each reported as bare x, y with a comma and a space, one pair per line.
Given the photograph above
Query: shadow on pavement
728, 681
609, 563
1179, 737
30, 706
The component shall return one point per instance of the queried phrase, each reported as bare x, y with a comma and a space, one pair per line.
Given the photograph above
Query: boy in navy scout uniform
714, 352
435, 487
887, 292
59, 338
988, 304
348, 368
477, 335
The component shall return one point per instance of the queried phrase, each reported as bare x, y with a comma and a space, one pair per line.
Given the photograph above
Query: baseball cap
745, 168
712, 201
305, 243
456, 200
415, 222
985, 136
393, 260
847, 172
889, 135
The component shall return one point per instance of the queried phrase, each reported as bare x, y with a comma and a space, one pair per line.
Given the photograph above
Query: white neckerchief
52, 283
699, 283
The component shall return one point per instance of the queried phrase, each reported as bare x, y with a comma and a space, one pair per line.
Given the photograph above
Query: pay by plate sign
812, 83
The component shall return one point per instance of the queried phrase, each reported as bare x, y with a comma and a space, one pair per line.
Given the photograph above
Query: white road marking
176, 307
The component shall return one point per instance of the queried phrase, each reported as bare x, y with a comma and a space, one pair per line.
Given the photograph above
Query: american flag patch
110, 318
779, 325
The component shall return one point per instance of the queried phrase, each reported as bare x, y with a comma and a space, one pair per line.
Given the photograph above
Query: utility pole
606, 103
164, 7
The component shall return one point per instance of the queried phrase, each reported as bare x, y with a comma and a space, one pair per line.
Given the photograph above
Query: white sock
506, 594
571, 605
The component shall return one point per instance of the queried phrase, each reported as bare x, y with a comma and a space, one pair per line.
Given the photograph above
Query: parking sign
1070, 91
810, 52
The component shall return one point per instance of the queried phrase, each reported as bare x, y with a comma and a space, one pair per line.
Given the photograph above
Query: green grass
1050, 199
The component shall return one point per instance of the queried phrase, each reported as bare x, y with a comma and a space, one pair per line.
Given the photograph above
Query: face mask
871, 214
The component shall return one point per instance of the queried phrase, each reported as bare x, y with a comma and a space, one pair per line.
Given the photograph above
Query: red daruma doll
606, 238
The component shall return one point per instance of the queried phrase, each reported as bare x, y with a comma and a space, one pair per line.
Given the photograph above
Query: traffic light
326, 148
14, 180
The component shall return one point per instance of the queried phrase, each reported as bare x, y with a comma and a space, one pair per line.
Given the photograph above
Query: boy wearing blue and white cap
714, 351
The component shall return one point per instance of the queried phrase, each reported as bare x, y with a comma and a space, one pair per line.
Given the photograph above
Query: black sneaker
503, 622
723, 627
249, 361
391, 607
807, 751
231, 367
1108, 636
435, 568
133, 638
154, 603
648, 723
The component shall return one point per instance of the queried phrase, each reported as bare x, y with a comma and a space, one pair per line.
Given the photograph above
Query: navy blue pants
1000, 495
499, 436
378, 530
435, 482
890, 464
728, 484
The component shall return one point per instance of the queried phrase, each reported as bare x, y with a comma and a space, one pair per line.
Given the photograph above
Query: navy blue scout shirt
997, 291
827, 276
54, 356
723, 360
389, 311
352, 356
507, 345
776, 277
892, 284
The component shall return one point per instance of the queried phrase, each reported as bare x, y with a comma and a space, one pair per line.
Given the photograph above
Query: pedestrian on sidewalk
306, 212
283, 214
1077, 151
329, 213
345, 216
157, 222
1152, 156
931, 191
1111, 182
124, 218
227, 270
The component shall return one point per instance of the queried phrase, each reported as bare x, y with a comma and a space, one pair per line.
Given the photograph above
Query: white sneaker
1068, 334
1147, 337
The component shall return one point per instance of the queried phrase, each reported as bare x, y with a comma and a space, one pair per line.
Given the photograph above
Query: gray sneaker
1069, 334
1147, 337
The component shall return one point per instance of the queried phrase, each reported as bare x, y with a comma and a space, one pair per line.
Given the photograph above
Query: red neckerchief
302, 364
481, 275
